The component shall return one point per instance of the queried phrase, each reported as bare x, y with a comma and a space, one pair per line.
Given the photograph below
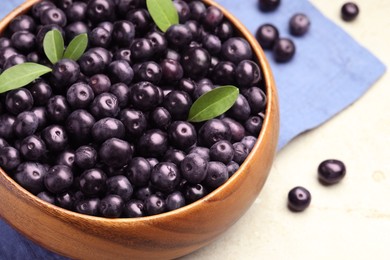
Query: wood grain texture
163, 236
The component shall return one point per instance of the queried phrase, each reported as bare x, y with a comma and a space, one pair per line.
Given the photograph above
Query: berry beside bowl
159, 235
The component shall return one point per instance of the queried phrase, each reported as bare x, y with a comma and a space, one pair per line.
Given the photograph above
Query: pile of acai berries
107, 135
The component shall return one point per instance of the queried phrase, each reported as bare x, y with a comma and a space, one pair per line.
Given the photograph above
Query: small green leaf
20, 75
76, 47
213, 103
163, 13
53, 45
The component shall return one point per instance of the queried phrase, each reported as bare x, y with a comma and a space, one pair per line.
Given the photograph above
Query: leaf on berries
53, 46
213, 103
76, 47
163, 13
20, 75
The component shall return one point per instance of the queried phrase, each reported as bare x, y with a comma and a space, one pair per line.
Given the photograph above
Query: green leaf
213, 103
163, 13
53, 45
76, 47
20, 75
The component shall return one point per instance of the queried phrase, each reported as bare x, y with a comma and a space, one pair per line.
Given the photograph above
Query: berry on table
349, 11
331, 171
299, 199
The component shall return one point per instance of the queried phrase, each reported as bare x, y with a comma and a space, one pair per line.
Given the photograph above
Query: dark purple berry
256, 98
284, 50
79, 95
175, 200
115, 152
237, 130
197, 8
46, 196
58, 108
139, 171
236, 49
182, 135
89, 206
247, 73
224, 73
120, 71
41, 92
174, 156
349, 11
76, 11
74, 29
22, 23
172, 71
253, 125
134, 121
196, 62
160, 118
299, 24
122, 93
266, 35
18, 100
155, 205
153, 143
224, 31
240, 152
66, 158
53, 16
222, 151
268, 5
92, 182
134, 209
331, 171
149, 71
79, 125
104, 105
217, 174
99, 37
194, 192
32, 148
55, 138
232, 167
194, 168
202, 151
58, 179
123, 33
23, 41
249, 142
165, 176
144, 96
178, 35
183, 10
9, 158
241, 110
120, 185
141, 20
298, 199
212, 17
111, 206
100, 10
26, 123
159, 42
85, 157
213, 131
91, 63
66, 72
6, 126
107, 128
178, 103
31, 175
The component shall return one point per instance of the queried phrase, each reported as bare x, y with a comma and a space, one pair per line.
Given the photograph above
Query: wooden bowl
163, 236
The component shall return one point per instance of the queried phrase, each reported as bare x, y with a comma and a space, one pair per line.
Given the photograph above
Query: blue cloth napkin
329, 71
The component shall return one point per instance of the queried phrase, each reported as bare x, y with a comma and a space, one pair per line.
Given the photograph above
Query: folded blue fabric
329, 71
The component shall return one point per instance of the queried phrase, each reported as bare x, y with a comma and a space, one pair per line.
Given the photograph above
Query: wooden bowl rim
271, 94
